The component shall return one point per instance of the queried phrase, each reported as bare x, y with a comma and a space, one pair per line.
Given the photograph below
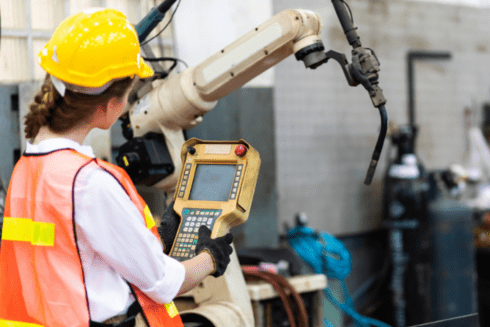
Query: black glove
169, 227
219, 248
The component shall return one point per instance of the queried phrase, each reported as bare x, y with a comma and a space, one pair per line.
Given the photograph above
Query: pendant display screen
212, 182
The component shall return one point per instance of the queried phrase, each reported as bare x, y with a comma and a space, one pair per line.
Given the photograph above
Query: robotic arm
182, 99
157, 116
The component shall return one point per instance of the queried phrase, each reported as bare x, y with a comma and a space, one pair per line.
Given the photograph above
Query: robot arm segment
185, 97
260, 49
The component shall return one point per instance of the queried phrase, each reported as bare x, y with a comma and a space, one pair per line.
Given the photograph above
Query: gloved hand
169, 227
219, 248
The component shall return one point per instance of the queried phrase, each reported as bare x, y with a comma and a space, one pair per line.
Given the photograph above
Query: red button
240, 150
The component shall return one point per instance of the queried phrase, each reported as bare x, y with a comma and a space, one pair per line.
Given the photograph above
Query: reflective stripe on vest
171, 309
26, 230
39, 233
9, 323
150, 222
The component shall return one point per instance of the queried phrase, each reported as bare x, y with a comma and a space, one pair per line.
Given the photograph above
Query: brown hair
61, 114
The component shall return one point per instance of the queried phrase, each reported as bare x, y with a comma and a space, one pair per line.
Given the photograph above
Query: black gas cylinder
452, 279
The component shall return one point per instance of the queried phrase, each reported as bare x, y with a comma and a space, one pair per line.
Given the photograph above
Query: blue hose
327, 255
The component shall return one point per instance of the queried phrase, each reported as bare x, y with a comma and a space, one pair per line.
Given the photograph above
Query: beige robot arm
182, 99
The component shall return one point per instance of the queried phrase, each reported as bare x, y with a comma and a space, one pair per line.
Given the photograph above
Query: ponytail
61, 114
42, 109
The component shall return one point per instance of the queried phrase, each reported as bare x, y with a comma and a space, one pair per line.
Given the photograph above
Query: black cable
384, 128
350, 12
175, 60
379, 145
166, 59
168, 23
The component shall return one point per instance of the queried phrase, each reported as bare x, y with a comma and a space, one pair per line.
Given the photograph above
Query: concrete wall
326, 130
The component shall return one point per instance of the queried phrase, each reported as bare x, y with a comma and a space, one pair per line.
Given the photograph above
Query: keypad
186, 240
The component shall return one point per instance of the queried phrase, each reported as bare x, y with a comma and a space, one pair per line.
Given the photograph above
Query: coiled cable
327, 255
281, 284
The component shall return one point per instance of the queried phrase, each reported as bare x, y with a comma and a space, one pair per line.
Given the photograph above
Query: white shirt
115, 245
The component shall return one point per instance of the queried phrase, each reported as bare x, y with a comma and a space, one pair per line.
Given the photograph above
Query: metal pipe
411, 57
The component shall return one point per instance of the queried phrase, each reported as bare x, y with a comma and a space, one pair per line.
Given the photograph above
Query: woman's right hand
219, 248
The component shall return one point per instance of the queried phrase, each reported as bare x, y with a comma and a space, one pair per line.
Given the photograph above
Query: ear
103, 114
114, 107
102, 109
112, 104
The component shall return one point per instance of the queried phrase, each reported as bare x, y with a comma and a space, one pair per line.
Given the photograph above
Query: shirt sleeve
114, 228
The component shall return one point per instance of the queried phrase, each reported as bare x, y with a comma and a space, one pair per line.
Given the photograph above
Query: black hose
165, 6
379, 145
347, 23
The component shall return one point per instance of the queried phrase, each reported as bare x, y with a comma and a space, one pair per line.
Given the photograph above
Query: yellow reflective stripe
171, 309
42, 234
150, 222
9, 323
16, 229
26, 230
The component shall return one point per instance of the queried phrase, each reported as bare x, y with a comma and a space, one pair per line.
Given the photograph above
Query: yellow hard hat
92, 48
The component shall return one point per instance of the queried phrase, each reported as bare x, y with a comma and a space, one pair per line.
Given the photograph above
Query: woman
79, 245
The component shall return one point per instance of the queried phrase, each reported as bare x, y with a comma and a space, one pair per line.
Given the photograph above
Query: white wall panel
134, 12
37, 46
13, 14
122, 5
79, 5
474, 3
14, 61
47, 14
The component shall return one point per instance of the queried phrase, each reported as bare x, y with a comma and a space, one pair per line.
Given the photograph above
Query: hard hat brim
144, 71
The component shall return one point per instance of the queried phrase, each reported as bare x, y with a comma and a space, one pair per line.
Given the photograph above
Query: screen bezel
195, 173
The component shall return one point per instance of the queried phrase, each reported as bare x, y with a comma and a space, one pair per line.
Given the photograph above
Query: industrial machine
159, 111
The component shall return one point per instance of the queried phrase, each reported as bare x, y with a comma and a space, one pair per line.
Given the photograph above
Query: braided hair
63, 113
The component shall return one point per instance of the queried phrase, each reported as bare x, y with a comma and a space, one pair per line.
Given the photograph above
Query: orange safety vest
41, 275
